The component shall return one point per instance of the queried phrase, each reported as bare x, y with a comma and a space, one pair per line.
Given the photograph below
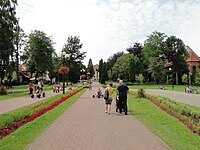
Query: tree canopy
90, 68
8, 21
38, 52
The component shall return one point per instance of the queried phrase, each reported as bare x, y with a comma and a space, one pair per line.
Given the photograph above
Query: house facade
193, 61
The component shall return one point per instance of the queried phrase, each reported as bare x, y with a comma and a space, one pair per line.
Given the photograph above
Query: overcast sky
109, 26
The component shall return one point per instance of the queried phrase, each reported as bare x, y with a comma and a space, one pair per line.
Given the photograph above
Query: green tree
184, 78
153, 45
152, 48
175, 53
103, 72
90, 68
125, 67
157, 69
197, 78
136, 49
38, 52
8, 22
19, 41
113, 58
75, 57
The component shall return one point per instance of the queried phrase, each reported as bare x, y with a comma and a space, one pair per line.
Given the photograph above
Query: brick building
193, 61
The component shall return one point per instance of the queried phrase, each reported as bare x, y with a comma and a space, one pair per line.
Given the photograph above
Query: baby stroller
39, 92
98, 94
118, 104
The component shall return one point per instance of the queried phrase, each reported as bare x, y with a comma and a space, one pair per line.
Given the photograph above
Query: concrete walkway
85, 126
192, 99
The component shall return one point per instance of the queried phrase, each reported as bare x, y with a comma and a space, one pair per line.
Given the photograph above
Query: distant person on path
41, 85
108, 100
122, 91
30, 87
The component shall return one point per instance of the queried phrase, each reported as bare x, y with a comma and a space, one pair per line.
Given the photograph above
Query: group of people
56, 88
35, 89
121, 98
188, 89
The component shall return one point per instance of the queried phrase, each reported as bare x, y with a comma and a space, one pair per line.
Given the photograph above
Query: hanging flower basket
63, 69
82, 76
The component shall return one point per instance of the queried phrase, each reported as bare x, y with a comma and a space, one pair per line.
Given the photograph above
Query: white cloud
109, 26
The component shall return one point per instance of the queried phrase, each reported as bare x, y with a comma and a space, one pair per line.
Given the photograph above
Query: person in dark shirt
122, 91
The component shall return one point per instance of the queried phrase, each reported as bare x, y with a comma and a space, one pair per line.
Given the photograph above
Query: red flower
5, 130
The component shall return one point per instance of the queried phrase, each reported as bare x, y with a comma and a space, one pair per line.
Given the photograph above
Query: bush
3, 90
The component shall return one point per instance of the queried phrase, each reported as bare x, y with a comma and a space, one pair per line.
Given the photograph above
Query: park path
191, 99
14, 103
86, 126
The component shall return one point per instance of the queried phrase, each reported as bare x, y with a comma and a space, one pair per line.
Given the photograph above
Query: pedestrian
30, 87
108, 99
122, 91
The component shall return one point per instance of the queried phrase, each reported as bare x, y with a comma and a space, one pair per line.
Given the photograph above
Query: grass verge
19, 139
166, 127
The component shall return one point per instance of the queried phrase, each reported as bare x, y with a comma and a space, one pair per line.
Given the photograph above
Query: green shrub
141, 93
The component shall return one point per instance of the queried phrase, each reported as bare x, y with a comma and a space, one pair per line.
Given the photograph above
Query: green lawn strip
178, 88
13, 95
169, 129
19, 139
9, 117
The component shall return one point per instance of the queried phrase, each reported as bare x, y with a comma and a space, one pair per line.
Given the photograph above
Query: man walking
122, 91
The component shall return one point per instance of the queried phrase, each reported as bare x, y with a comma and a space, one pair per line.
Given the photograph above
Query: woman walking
108, 98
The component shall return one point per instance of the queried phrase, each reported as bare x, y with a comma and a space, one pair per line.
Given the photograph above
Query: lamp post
82, 73
65, 70
172, 79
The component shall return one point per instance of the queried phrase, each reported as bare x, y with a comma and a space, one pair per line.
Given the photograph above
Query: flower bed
6, 130
183, 112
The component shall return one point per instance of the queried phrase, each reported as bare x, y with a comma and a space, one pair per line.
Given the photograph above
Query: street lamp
172, 79
65, 69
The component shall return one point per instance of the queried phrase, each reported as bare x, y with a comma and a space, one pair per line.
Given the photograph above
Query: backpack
106, 94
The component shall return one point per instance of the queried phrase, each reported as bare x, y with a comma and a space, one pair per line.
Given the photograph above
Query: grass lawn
166, 127
12, 95
179, 88
19, 139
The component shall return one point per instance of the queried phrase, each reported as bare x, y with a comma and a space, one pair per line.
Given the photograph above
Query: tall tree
8, 22
125, 67
152, 49
157, 69
112, 59
103, 72
175, 53
75, 57
136, 49
90, 68
19, 41
38, 52
153, 44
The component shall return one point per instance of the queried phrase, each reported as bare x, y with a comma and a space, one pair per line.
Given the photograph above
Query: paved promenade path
85, 126
192, 99
14, 103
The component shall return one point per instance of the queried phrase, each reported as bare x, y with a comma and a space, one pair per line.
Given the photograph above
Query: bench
162, 88
195, 90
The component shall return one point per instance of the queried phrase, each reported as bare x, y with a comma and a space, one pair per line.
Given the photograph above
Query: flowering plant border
6, 130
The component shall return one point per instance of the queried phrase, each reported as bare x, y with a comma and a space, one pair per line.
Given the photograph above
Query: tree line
35, 50
162, 59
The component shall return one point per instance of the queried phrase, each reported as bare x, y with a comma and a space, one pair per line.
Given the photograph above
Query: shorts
108, 101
